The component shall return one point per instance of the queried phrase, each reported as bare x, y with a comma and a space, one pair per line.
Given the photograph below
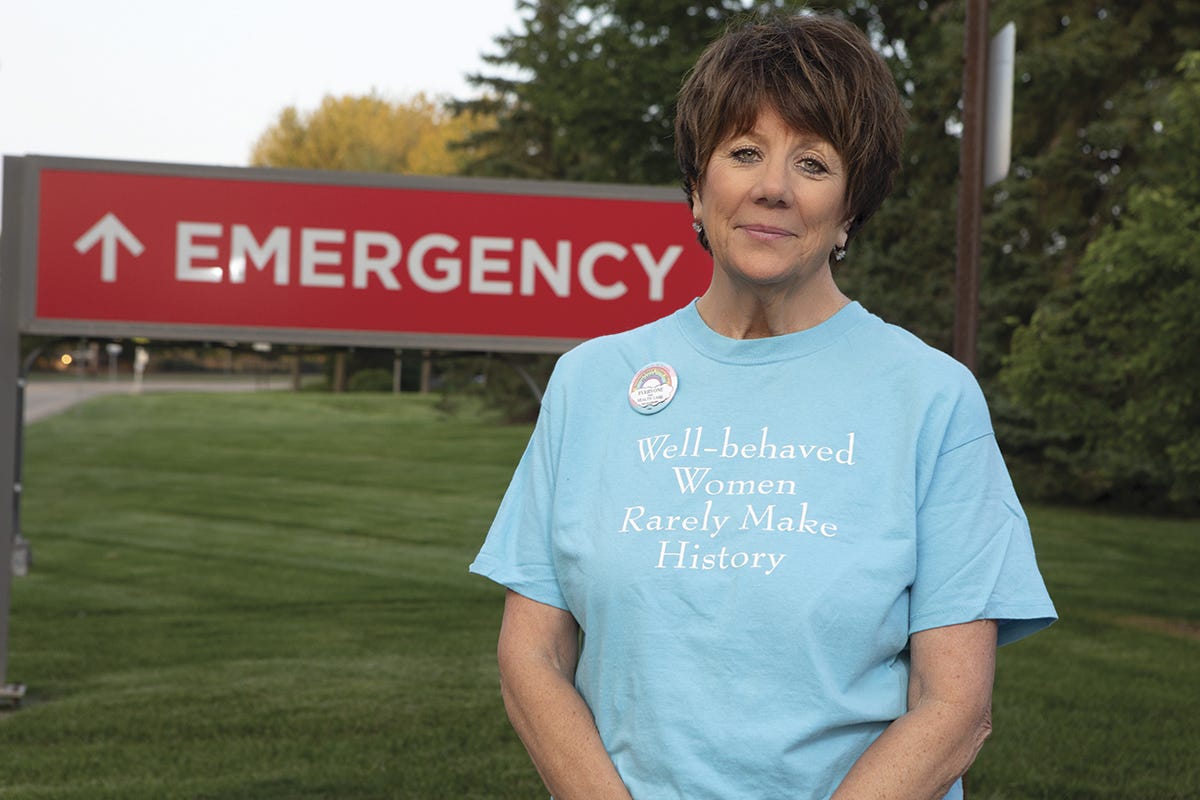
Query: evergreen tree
586, 92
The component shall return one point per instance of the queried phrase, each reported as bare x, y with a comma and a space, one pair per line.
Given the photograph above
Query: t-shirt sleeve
517, 552
975, 557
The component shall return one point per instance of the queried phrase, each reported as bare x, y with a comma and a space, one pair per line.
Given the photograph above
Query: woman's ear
845, 237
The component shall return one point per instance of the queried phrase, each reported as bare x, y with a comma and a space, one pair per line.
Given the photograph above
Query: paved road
44, 398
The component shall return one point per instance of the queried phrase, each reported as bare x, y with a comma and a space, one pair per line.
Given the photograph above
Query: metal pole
970, 176
10, 422
426, 371
21, 555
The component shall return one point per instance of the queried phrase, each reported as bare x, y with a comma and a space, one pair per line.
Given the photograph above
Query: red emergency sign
244, 249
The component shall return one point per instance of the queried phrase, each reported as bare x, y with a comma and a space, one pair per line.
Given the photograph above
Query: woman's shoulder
897, 363
901, 346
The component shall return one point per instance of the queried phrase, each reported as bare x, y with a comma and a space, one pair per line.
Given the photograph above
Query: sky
198, 82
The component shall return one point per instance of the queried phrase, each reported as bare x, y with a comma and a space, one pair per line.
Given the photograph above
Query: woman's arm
922, 753
538, 650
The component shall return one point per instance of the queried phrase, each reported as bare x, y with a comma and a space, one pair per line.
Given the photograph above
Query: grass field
265, 596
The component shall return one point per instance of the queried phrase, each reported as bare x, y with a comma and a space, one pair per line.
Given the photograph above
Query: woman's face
772, 202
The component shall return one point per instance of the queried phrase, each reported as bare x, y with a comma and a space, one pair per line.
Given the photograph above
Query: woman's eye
744, 154
812, 165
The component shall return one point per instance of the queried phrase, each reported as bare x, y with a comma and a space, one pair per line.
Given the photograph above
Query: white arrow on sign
109, 231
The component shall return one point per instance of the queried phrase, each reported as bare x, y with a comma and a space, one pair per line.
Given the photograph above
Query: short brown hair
821, 75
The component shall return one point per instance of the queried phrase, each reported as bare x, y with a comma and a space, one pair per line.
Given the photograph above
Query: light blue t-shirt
748, 562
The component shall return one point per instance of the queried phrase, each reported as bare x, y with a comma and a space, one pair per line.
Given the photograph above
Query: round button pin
653, 387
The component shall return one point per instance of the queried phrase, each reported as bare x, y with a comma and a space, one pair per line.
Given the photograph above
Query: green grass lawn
265, 596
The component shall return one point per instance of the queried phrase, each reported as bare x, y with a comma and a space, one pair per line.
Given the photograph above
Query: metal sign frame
21, 215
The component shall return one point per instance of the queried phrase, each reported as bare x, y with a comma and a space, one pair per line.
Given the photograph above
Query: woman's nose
773, 186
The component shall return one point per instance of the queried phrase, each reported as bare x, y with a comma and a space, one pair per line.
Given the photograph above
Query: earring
839, 252
697, 226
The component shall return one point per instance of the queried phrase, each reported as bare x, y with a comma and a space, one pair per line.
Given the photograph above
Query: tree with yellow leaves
371, 134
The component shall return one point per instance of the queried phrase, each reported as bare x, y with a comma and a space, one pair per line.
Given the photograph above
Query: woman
782, 526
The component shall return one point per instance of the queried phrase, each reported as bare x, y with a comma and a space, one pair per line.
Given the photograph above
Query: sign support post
10, 421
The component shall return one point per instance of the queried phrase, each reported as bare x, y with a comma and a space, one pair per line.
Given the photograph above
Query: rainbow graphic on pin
653, 387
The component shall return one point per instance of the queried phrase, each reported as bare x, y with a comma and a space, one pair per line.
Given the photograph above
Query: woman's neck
741, 311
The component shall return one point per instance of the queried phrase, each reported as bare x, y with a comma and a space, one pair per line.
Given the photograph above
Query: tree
1088, 83
587, 91
371, 134
1086, 70
1107, 367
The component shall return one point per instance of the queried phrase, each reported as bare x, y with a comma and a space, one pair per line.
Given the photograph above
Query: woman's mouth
765, 232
